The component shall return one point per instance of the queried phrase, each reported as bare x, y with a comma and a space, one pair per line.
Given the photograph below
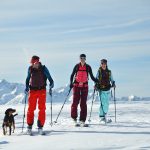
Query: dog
9, 121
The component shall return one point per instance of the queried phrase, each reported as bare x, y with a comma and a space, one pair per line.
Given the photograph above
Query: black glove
26, 90
97, 81
71, 85
51, 85
113, 84
96, 87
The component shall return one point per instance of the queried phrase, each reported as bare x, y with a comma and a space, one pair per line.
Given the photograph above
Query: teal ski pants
104, 97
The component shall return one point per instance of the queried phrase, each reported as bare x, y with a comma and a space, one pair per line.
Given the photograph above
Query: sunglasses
82, 57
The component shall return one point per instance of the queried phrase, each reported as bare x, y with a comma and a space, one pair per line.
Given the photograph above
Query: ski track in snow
131, 132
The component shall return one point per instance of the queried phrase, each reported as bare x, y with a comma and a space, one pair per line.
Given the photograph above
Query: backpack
77, 69
105, 82
38, 78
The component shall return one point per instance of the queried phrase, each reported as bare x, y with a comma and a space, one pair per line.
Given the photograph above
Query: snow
60, 91
131, 132
131, 97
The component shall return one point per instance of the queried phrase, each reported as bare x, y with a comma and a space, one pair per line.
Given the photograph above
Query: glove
71, 85
113, 84
26, 90
96, 86
51, 85
97, 81
50, 91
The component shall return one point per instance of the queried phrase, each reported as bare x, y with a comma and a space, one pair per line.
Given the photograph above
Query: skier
104, 75
79, 83
36, 87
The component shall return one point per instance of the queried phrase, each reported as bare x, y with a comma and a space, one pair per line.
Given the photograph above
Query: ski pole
24, 111
51, 107
62, 106
92, 106
115, 104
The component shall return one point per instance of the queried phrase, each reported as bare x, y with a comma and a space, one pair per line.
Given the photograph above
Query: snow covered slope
13, 93
131, 132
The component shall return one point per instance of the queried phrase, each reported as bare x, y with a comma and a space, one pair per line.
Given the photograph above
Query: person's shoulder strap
100, 75
109, 71
88, 69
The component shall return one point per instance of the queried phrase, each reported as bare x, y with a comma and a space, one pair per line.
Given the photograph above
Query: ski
105, 122
32, 134
81, 125
85, 125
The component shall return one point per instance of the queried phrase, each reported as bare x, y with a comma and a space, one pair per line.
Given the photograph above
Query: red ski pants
79, 96
34, 97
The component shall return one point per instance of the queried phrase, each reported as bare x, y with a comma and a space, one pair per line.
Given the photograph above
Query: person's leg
104, 102
83, 104
74, 106
42, 108
32, 100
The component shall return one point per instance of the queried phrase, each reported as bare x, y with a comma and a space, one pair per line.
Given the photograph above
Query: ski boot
29, 130
75, 123
83, 124
40, 131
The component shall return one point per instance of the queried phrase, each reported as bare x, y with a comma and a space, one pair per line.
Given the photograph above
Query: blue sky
59, 31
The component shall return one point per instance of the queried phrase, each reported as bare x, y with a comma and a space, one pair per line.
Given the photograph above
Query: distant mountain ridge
13, 93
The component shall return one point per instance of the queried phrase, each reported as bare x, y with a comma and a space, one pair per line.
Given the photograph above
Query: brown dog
9, 121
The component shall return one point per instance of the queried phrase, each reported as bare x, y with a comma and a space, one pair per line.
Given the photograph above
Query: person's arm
72, 74
46, 71
97, 75
91, 74
28, 79
112, 80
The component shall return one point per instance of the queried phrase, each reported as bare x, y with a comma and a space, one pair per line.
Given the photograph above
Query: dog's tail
15, 115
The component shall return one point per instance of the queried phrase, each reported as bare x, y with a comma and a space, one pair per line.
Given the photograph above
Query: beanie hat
35, 59
82, 55
104, 61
